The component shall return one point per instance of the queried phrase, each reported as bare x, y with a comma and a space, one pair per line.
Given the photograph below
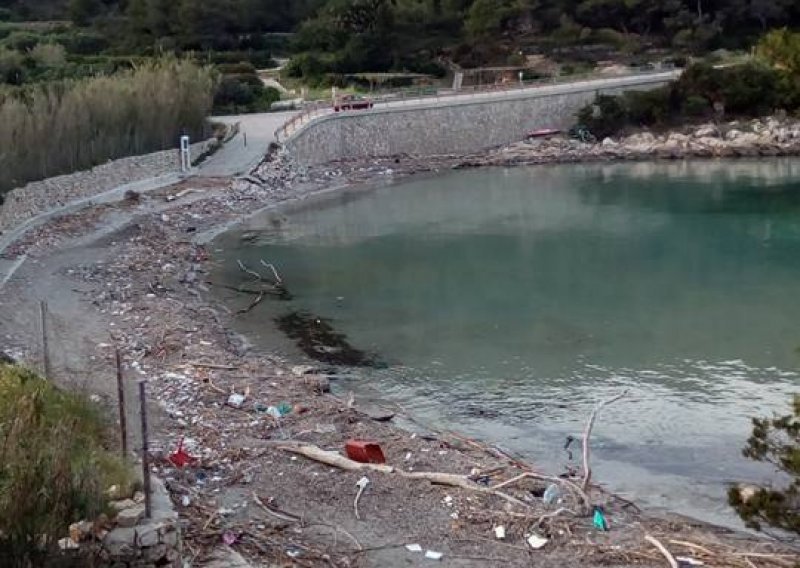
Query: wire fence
131, 392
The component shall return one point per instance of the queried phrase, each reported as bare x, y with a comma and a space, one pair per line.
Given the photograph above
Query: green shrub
605, 116
241, 67
744, 90
12, 67
306, 65
54, 468
48, 54
645, 108
22, 40
775, 441
696, 106
243, 93
83, 42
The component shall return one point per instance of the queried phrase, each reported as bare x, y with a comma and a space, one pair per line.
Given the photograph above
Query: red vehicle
352, 102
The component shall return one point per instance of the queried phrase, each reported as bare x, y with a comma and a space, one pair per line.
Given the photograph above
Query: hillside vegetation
379, 35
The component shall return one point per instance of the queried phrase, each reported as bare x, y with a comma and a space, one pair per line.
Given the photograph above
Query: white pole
186, 158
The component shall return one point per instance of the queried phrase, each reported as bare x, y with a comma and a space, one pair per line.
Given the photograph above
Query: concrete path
233, 159
247, 148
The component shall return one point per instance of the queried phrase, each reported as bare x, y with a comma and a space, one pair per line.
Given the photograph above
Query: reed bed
68, 126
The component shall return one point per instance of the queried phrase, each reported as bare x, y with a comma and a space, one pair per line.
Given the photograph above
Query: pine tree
776, 441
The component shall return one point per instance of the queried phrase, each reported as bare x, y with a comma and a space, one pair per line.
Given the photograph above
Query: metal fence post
123, 423
45, 342
148, 506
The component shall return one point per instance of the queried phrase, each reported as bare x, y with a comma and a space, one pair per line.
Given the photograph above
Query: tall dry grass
54, 467
65, 127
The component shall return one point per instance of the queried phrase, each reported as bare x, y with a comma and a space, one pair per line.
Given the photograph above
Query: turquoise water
507, 302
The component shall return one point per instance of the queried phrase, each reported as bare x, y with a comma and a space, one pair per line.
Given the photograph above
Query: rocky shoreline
134, 275
768, 137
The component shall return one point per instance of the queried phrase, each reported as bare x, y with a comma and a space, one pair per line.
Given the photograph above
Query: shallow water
507, 302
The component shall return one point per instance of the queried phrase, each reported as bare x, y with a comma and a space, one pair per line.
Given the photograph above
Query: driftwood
278, 282
282, 515
663, 550
587, 468
251, 272
572, 487
450, 479
278, 279
553, 515
289, 517
202, 365
257, 300
332, 458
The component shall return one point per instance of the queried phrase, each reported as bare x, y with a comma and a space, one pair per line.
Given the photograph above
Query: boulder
81, 531
640, 138
609, 142
747, 139
733, 134
678, 137
122, 505
706, 130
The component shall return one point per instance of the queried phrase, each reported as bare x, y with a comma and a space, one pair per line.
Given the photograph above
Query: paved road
236, 158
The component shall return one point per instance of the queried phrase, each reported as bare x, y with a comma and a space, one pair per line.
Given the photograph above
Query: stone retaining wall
457, 125
38, 197
149, 543
134, 542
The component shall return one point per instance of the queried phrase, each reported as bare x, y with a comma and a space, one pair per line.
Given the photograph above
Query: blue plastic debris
599, 520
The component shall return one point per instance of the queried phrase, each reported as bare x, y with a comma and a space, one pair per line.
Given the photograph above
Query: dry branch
573, 487
257, 300
278, 279
249, 271
663, 550
587, 469
284, 516
692, 545
202, 365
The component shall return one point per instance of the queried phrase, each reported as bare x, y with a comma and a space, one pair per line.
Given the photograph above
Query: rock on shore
761, 137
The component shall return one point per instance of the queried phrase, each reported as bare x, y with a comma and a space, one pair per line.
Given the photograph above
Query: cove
506, 302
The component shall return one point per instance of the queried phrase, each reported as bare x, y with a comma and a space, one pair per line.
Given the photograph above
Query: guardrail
313, 109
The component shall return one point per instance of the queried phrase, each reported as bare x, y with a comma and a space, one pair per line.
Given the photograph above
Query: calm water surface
507, 302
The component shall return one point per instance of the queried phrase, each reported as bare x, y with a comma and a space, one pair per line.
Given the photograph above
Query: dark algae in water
318, 339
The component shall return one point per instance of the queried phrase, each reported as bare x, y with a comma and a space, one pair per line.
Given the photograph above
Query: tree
486, 18
781, 48
776, 441
81, 12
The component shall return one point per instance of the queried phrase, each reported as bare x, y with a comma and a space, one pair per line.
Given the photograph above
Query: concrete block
130, 517
155, 553
148, 534
120, 542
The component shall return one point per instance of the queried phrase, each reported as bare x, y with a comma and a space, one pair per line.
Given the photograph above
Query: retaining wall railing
315, 109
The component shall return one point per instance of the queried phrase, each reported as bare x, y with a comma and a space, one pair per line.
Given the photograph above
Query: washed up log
437, 478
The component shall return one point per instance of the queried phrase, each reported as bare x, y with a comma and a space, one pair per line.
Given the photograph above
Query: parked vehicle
352, 102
